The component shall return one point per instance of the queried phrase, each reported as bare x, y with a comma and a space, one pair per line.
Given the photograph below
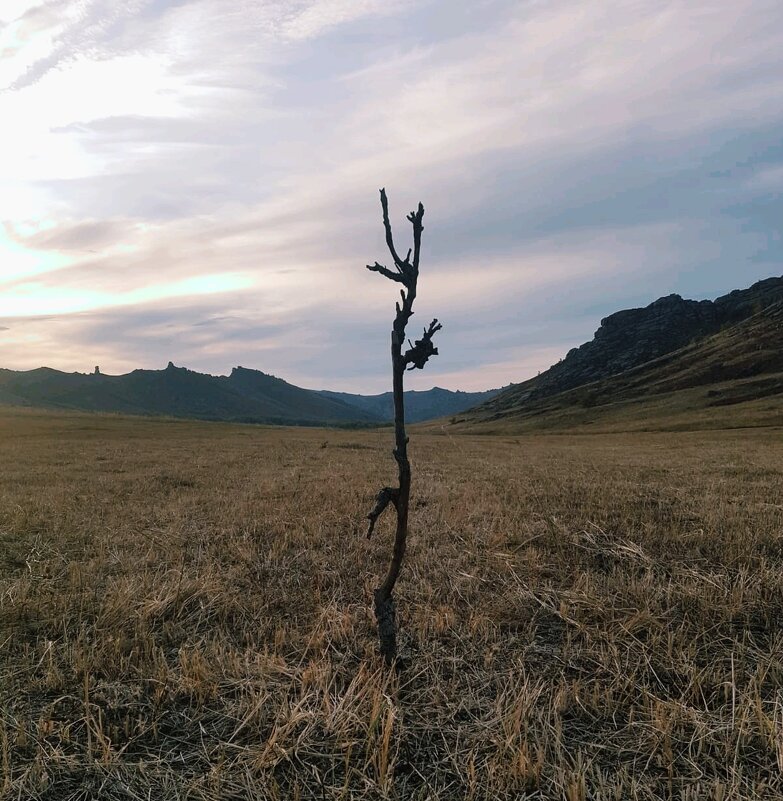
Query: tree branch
402, 265
379, 268
416, 217
420, 352
386, 496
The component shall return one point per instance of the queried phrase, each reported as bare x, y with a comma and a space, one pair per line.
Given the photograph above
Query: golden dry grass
185, 615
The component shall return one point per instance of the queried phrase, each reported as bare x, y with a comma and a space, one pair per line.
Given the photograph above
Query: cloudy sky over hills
197, 180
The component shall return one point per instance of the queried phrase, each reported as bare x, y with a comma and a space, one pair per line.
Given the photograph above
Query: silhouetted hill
244, 396
280, 400
419, 405
670, 345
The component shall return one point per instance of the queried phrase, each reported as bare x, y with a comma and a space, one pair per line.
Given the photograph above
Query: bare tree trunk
384, 603
407, 273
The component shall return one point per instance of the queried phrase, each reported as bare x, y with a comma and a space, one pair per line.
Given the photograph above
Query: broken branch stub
421, 351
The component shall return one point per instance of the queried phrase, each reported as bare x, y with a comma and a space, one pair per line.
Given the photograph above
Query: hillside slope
729, 349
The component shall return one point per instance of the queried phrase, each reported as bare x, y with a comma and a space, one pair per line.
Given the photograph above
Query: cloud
767, 179
219, 163
79, 236
333, 330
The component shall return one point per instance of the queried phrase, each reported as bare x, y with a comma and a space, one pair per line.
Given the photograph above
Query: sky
197, 180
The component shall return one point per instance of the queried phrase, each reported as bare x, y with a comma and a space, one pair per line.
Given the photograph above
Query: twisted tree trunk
406, 272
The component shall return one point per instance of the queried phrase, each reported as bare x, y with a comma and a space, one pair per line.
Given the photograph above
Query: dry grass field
185, 614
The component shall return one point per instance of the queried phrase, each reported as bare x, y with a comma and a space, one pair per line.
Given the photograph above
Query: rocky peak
631, 337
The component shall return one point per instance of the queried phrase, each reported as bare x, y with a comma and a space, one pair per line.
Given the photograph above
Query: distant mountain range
244, 396
419, 406
722, 352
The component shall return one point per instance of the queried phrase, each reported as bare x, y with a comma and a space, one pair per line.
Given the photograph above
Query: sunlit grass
186, 614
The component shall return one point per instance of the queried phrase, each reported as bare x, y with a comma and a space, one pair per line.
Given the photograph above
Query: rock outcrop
633, 337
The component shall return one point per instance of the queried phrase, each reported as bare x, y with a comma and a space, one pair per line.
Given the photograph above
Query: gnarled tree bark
405, 272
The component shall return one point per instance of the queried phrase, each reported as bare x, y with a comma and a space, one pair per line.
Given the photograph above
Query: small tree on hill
406, 272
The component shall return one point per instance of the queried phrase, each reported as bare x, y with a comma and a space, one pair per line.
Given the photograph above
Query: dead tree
406, 272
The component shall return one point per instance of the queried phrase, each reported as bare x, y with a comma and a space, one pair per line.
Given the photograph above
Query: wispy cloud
216, 164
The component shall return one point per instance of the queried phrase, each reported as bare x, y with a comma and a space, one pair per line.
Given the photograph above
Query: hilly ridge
718, 353
243, 396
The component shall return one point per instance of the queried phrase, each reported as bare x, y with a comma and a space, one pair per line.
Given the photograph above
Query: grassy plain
185, 614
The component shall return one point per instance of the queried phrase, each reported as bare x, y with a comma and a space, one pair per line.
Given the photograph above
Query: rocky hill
670, 345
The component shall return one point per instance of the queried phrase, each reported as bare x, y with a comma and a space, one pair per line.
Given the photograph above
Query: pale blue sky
197, 180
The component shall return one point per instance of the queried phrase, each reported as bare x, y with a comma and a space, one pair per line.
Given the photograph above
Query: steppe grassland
184, 613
